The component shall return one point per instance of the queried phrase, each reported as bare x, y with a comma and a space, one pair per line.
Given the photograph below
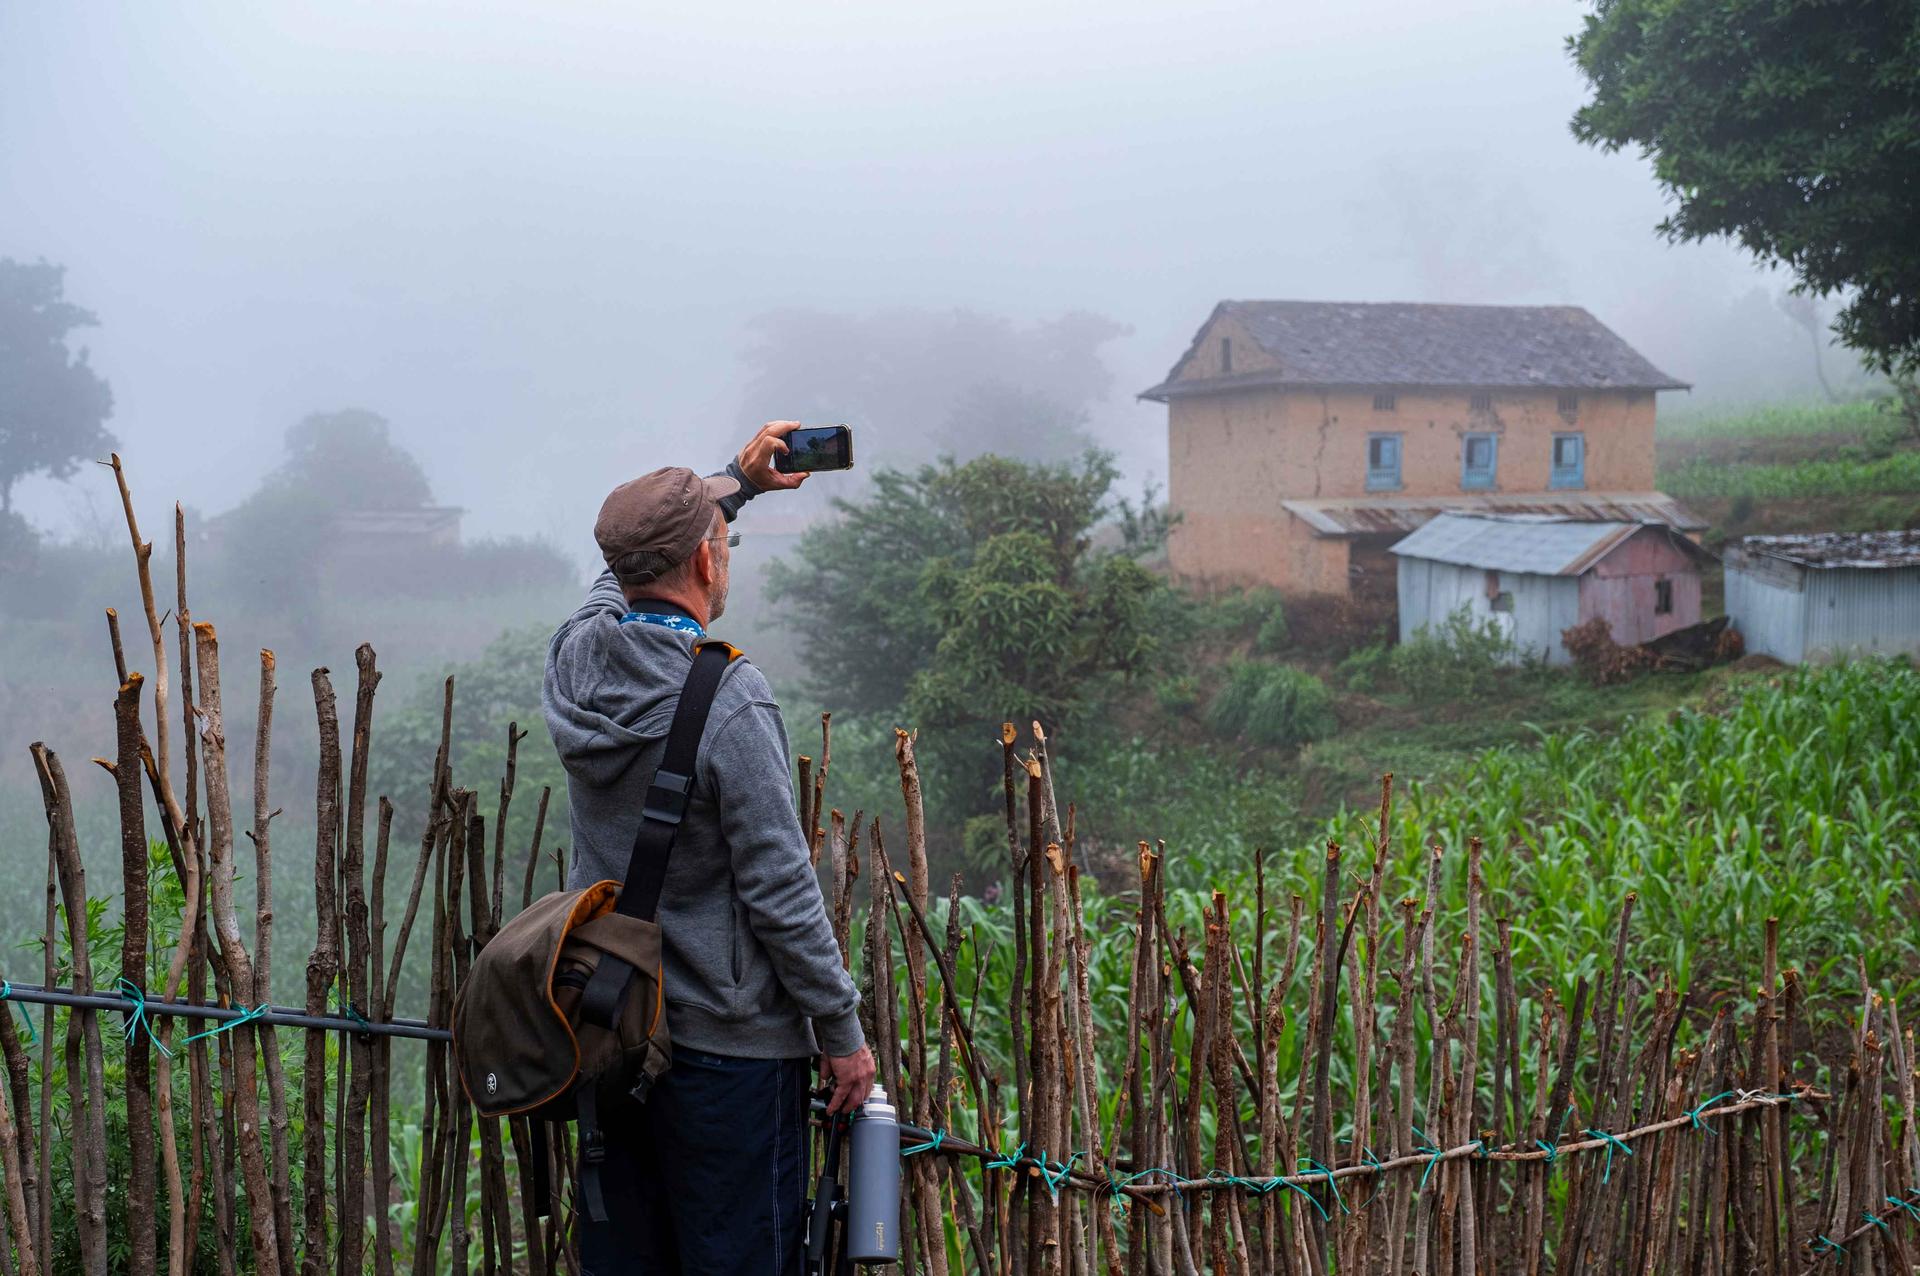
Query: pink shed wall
1620, 587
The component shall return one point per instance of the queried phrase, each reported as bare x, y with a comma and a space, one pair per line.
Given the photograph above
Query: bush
1271, 637
1367, 668
1178, 695
1241, 614
1455, 660
1271, 704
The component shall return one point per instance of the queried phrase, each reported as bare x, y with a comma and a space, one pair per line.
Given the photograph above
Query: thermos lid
878, 1105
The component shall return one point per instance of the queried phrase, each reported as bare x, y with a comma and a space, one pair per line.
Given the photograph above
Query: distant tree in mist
1007, 420
272, 543
53, 406
918, 383
351, 460
1788, 125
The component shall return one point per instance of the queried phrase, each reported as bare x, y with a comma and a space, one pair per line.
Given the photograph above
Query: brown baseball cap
668, 512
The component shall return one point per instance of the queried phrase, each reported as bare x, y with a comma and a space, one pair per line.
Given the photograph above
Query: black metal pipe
414, 1029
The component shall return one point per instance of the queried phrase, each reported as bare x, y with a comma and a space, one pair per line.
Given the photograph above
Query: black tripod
827, 1211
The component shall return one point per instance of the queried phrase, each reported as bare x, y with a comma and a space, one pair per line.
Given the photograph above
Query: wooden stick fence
1343, 1084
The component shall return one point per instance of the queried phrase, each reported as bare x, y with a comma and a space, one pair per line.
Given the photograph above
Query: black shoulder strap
672, 786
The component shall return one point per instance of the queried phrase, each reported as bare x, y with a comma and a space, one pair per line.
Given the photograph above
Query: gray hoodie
749, 953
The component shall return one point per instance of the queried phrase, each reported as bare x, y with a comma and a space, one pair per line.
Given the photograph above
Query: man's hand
756, 459
852, 1078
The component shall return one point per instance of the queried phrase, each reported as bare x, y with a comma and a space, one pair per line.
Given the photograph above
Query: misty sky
531, 236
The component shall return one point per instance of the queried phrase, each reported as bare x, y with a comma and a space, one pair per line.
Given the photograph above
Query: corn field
1341, 1073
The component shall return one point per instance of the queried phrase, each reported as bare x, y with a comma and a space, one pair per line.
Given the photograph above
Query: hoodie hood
610, 690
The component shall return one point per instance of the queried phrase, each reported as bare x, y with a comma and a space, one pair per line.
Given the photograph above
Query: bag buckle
641, 1088
667, 797
593, 1148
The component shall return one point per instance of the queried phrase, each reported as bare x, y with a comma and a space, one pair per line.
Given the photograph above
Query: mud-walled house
1307, 437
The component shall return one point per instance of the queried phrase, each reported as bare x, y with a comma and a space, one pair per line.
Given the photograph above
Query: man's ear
703, 564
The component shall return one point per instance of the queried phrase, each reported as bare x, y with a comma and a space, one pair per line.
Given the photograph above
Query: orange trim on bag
594, 900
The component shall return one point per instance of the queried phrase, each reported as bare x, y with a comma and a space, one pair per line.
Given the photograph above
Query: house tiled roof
1372, 515
1539, 544
1332, 343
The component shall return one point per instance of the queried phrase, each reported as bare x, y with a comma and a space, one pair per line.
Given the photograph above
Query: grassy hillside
1793, 467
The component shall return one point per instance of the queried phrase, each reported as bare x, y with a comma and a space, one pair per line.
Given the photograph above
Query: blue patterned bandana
685, 624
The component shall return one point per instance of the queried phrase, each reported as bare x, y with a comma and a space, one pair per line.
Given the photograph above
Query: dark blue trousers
708, 1177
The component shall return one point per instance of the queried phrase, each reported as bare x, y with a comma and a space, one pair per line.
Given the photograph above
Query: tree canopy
53, 405
1792, 126
335, 461
965, 594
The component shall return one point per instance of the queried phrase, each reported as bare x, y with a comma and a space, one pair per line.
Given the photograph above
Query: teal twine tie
932, 1144
1827, 1245
347, 1010
1612, 1143
1693, 1113
1876, 1220
230, 1024
26, 1017
1433, 1155
1904, 1204
1331, 1187
1306, 1196
1259, 1187
1054, 1177
137, 1020
1173, 1180
1116, 1203
1552, 1150
1009, 1162
1379, 1175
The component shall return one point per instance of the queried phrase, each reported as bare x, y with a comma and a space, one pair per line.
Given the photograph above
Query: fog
535, 237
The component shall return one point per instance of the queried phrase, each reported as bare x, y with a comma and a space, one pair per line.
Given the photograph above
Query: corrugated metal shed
1540, 544
1827, 596
1362, 516
1535, 576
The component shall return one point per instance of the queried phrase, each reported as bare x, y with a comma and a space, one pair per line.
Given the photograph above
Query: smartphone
816, 447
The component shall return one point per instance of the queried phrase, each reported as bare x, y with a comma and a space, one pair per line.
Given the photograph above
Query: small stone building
1306, 437
1535, 576
1827, 595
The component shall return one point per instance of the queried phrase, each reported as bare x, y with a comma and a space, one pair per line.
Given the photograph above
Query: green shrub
1367, 668
1271, 637
1457, 659
1178, 695
1239, 615
1271, 704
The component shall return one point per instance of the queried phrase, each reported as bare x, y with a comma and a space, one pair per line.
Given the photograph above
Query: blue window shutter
1569, 461
1479, 460
1383, 462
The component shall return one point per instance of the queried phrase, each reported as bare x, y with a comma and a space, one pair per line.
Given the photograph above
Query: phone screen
822, 447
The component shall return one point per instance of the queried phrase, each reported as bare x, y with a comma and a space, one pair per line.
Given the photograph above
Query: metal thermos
873, 1183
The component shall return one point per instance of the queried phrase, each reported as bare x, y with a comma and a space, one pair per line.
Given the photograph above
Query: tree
351, 457
966, 594
53, 406
1791, 126
274, 540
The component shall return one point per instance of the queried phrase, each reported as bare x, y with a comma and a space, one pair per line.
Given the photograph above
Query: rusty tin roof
1840, 549
1374, 515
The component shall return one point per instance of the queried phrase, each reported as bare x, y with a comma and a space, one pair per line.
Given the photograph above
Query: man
708, 1176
